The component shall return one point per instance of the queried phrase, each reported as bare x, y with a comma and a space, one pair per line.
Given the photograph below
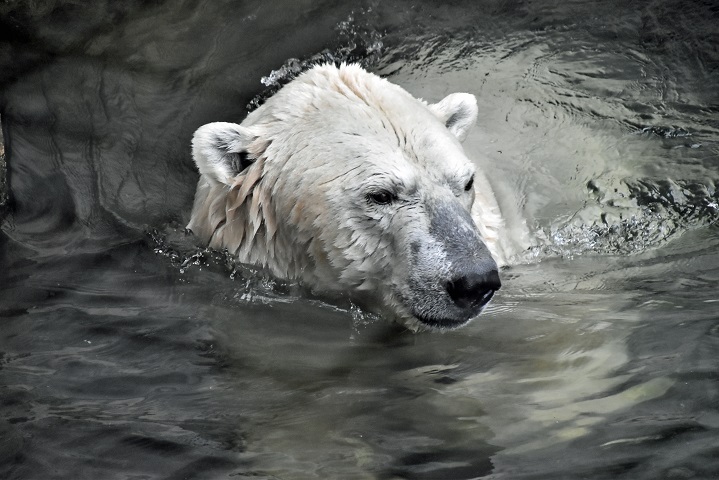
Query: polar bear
346, 183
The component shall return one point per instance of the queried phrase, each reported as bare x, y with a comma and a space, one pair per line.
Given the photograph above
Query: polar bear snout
453, 275
448, 304
473, 290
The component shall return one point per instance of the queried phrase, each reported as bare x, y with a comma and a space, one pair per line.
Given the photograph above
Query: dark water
128, 353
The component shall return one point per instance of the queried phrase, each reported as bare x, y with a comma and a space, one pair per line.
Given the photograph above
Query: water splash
666, 132
357, 42
632, 217
3, 174
254, 284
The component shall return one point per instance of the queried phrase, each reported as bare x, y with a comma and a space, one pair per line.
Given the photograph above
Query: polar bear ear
220, 150
458, 112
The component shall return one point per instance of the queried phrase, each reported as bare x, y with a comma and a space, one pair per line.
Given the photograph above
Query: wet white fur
318, 146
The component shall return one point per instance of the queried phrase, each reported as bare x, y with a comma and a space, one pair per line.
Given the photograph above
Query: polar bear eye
469, 184
381, 197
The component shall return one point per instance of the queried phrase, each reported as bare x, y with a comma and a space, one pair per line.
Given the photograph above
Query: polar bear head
345, 182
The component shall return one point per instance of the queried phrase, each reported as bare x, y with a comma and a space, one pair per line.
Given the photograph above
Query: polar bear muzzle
453, 273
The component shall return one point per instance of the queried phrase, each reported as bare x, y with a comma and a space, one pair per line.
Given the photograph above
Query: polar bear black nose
473, 290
